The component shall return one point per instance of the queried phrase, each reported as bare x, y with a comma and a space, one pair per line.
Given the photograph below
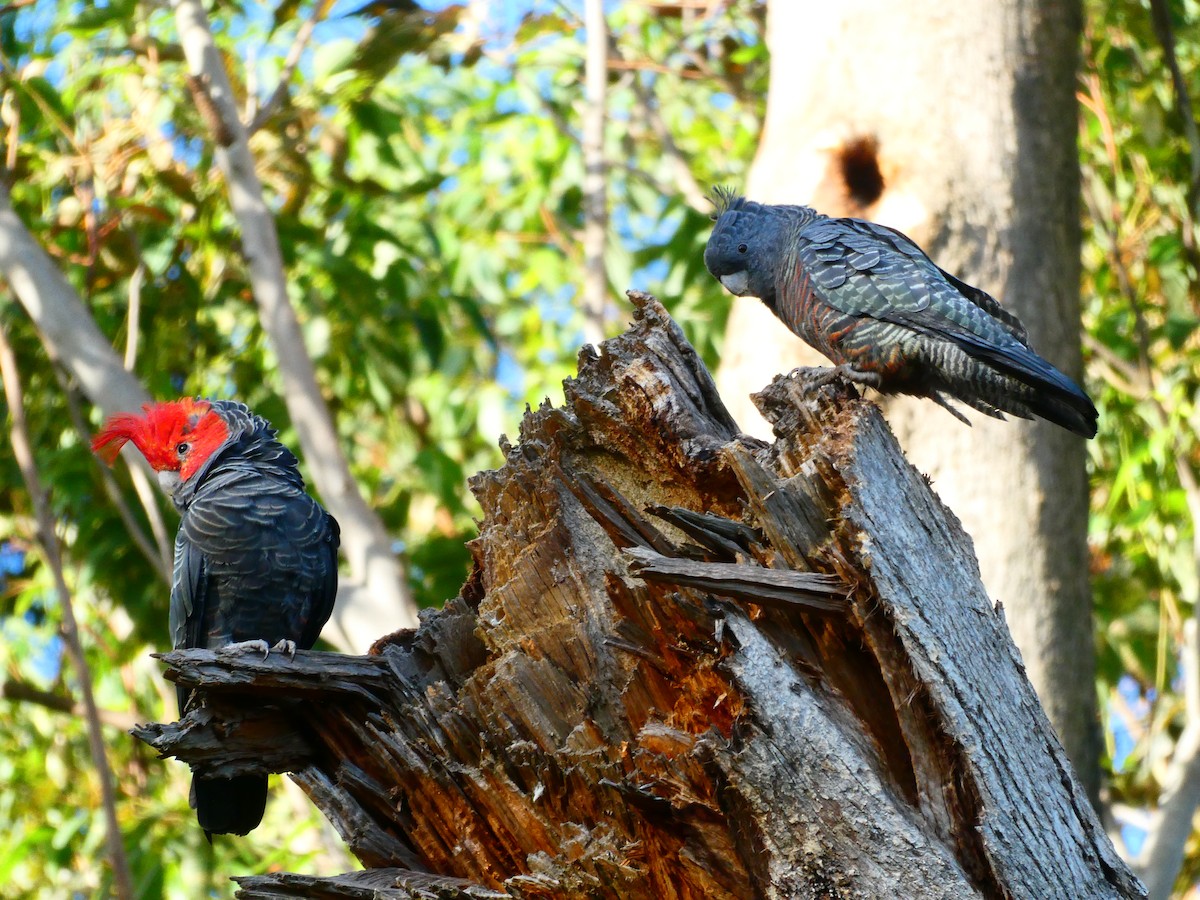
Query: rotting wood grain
371, 884
569, 728
777, 588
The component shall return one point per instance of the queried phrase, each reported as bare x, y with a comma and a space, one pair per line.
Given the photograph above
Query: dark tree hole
859, 162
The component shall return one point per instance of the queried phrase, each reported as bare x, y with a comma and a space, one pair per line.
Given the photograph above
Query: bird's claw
258, 646
813, 378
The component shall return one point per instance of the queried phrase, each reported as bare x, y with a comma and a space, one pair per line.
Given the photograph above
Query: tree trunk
955, 122
686, 664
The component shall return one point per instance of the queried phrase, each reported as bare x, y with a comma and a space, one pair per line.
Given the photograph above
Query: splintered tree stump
686, 664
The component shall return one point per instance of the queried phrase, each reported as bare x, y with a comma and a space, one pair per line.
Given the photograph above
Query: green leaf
92, 17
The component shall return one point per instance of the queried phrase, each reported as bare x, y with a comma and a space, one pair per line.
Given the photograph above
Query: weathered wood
225, 742
371, 884
767, 587
592, 717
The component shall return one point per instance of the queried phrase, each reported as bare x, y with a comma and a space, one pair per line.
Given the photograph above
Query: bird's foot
813, 378
258, 646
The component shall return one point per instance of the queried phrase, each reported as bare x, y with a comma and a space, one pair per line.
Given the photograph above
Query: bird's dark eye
183, 448
742, 248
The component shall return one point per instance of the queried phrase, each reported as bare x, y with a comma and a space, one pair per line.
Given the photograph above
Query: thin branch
379, 599
159, 552
303, 34
23, 452
133, 319
1094, 100
641, 65
13, 142
1161, 15
148, 497
22, 692
251, 84
1120, 373
685, 181
595, 197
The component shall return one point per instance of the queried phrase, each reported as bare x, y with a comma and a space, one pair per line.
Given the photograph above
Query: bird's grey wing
980, 298
325, 589
272, 562
864, 269
188, 593
989, 305
863, 272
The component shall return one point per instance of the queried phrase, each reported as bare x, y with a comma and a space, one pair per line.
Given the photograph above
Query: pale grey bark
380, 599
968, 110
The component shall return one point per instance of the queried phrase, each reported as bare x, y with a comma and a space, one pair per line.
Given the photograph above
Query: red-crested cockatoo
255, 556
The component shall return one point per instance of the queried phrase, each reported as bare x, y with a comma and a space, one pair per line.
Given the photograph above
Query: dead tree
685, 664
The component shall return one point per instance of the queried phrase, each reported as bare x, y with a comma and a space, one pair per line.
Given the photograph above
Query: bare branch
1125, 376
158, 552
1161, 14
685, 181
133, 317
303, 34
21, 692
23, 451
148, 496
1171, 826
380, 584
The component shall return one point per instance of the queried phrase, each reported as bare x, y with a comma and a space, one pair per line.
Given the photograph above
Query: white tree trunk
967, 110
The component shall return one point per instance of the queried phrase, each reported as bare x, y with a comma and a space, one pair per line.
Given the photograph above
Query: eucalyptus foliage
1141, 296
426, 173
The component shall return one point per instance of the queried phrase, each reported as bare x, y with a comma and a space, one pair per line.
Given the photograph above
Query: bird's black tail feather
1072, 412
1053, 395
229, 805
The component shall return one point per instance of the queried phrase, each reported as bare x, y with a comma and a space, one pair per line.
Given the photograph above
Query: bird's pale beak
737, 283
168, 481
